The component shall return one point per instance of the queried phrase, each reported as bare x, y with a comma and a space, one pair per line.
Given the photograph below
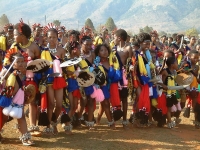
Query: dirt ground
184, 136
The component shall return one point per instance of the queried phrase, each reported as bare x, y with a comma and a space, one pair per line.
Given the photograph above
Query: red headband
12, 51
49, 26
35, 25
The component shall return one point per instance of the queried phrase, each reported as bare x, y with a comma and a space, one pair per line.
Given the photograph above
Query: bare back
125, 54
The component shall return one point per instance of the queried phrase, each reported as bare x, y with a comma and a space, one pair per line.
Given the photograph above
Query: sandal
149, 123
48, 130
125, 124
196, 124
54, 126
171, 125
68, 129
90, 125
111, 124
132, 118
25, 138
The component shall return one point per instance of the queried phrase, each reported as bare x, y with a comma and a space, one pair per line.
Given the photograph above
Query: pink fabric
173, 108
19, 97
56, 66
94, 94
100, 96
178, 106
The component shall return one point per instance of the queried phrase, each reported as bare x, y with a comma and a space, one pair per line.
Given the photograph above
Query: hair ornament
49, 26
21, 23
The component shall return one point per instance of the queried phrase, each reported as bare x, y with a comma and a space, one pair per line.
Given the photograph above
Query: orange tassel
43, 101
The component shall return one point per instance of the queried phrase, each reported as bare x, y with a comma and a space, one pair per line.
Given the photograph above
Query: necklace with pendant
52, 50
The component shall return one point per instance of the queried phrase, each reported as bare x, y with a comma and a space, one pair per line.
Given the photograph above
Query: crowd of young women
62, 75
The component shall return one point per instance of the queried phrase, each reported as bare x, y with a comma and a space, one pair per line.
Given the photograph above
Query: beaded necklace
25, 46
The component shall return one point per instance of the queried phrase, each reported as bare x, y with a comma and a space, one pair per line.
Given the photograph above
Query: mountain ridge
162, 15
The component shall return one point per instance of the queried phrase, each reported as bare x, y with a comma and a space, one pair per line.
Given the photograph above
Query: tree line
110, 25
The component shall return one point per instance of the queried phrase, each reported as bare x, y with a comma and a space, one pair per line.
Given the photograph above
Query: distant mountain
166, 15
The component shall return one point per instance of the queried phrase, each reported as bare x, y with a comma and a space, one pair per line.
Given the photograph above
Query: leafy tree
161, 33
147, 29
110, 25
89, 23
192, 32
56, 22
98, 28
169, 35
141, 30
3, 20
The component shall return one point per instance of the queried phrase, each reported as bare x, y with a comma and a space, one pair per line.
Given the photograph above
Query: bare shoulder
128, 50
163, 72
35, 46
60, 49
35, 49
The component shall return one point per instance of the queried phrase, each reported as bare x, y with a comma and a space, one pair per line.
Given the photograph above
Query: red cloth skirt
59, 83
144, 101
162, 103
76, 93
114, 95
